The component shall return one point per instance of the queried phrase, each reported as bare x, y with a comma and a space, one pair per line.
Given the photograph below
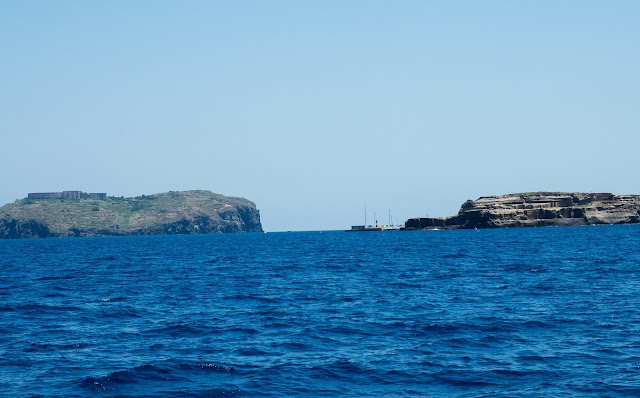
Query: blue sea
470, 313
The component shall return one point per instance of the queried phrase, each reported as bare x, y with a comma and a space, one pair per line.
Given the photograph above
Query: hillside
187, 212
538, 209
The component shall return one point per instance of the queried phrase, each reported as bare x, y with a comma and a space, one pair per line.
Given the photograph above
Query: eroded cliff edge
538, 209
170, 213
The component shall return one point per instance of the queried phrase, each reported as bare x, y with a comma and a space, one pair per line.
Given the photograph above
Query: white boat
376, 227
363, 228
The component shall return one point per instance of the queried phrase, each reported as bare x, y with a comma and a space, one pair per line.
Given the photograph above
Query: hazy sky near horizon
312, 109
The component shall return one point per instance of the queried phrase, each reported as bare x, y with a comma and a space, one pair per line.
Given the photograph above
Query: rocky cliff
538, 209
188, 212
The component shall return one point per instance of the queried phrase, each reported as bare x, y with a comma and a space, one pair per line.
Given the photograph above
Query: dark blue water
512, 312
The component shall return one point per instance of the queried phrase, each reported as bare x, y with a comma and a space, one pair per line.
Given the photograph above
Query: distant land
76, 214
537, 209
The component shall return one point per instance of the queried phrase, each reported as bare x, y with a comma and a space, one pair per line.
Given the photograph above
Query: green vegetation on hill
187, 212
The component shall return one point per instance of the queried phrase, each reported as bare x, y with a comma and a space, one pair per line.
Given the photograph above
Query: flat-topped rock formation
538, 209
170, 213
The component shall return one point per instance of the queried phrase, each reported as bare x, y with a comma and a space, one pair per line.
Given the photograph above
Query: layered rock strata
538, 209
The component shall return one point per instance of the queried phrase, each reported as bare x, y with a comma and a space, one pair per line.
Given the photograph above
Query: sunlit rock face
538, 209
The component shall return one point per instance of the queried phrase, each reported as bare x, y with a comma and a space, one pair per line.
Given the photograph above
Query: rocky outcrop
171, 213
15, 229
538, 209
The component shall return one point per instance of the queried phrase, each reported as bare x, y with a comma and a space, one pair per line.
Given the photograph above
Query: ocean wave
152, 380
43, 309
180, 330
54, 278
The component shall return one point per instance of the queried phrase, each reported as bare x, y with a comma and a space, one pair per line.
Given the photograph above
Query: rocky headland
170, 213
537, 209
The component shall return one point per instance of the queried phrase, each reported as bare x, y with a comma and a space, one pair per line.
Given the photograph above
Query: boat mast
365, 215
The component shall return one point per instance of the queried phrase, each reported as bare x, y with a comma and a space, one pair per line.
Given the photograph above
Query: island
80, 214
537, 209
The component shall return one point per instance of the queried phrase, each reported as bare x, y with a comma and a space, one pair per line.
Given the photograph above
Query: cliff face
188, 212
538, 209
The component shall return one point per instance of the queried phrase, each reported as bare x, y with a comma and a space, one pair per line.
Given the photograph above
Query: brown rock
538, 209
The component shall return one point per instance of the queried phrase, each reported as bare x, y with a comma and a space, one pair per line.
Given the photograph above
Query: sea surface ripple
511, 312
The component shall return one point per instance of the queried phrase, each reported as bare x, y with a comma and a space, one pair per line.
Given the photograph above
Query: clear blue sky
312, 109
